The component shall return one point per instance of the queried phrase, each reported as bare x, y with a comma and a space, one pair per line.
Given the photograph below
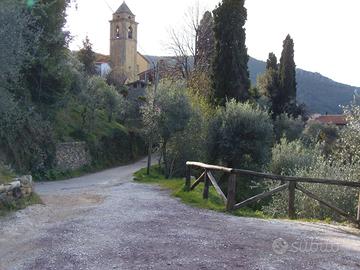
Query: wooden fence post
206, 186
231, 192
188, 178
292, 213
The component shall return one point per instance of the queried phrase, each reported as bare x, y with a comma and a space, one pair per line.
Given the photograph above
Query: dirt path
106, 221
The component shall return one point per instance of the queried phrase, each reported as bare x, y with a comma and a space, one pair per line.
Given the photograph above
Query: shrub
288, 127
289, 156
323, 134
240, 136
190, 144
342, 197
168, 115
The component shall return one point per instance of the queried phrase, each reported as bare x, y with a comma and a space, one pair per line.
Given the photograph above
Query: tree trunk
149, 157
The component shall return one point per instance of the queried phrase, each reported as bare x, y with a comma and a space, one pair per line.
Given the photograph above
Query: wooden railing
287, 183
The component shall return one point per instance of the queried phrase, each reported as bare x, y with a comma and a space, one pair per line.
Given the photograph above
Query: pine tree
287, 76
87, 57
230, 69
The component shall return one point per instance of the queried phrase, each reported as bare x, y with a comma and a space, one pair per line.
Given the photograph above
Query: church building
125, 62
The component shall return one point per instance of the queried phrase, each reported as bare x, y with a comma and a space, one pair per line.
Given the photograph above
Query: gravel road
105, 221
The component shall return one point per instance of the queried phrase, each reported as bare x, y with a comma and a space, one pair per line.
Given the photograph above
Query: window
130, 33
117, 32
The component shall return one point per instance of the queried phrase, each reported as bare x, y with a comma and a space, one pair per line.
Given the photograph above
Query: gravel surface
106, 221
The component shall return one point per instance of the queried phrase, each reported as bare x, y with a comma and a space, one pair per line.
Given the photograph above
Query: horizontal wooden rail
292, 183
275, 177
209, 167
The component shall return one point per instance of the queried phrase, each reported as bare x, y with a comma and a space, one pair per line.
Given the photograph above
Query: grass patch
193, 198
6, 175
11, 206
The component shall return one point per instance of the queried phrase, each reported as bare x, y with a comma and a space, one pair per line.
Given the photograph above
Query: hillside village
201, 160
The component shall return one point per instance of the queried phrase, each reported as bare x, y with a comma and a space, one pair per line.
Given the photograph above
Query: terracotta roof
124, 9
339, 120
102, 58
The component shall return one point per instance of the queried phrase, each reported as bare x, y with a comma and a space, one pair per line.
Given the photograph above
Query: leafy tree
287, 77
288, 127
25, 138
113, 102
230, 69
47, 75
91, 100
324, 135
16, 42
184, 145
175, 112
240, 136
150, 113
349, 137
87, 57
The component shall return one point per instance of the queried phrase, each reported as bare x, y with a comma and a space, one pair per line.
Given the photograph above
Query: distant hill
319, 93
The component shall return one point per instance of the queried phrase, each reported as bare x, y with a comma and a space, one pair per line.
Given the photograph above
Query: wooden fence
287, 183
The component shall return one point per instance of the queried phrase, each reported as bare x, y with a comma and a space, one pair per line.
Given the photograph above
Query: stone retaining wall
72, 156
18, 188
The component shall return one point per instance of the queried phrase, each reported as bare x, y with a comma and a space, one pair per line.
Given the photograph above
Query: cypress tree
230, 68
87, 57
205, 43
287, 76
272, 63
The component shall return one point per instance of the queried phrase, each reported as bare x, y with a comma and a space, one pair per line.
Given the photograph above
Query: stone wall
18, 188
72, 156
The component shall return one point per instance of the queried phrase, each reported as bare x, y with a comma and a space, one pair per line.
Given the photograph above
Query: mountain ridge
319, 93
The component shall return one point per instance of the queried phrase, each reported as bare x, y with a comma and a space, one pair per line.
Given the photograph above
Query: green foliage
289, 156
288, 127
190, 144
325, 135
46, 76
175, 112
287, 77
87, 57
24, 137
240, 136
6, 174
205, 44
14, 46
10, 206
272, 62
349, 137
230, 69
341, 197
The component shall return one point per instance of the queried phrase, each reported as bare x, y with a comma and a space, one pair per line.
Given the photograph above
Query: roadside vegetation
193, 198
204, 111
22, 203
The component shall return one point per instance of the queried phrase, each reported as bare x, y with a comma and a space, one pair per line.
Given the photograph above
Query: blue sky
325, 32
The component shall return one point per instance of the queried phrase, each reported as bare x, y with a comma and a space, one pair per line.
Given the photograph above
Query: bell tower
123, 44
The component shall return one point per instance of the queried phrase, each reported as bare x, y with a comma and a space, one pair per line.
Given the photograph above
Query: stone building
125, 61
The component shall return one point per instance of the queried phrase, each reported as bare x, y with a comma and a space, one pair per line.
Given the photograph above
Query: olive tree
241, 136
166, 113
